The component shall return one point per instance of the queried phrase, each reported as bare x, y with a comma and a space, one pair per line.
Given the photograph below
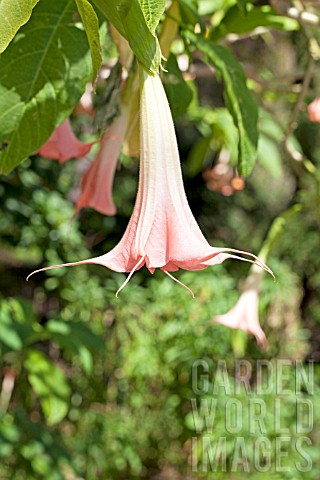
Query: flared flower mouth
162, 232
64, 145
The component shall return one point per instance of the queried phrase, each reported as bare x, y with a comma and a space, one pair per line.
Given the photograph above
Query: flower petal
244, 315
96, 184
63, 144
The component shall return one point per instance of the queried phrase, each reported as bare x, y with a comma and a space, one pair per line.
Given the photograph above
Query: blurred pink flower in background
64, 145
314, 110
245, 313
96, 183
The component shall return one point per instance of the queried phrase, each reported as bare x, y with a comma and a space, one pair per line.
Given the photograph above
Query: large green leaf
238, 98
91, 25
13, 14
152, 11
49, 382
43, 73
128, 18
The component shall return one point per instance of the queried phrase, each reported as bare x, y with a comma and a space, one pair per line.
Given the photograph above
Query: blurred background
95, 387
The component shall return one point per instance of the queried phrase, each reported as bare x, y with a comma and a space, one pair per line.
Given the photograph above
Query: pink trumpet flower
314, 110
63, 144
96, 184
244, 314
162, 232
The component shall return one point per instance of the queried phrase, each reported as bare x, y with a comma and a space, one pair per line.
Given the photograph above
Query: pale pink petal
63, 144
314, 110
244, 315
96, 184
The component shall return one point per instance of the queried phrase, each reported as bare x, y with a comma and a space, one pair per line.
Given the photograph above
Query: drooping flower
162, 232
245, 314
63, 144
314, 110
96, 183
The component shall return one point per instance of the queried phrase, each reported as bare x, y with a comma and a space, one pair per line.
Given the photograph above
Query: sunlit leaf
43, 74
129, 20
169, 28
13, 14
152, 11
91, 25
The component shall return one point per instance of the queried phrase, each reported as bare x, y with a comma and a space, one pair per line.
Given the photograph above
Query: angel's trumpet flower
162, 232
96, 183
245, 315
64, 145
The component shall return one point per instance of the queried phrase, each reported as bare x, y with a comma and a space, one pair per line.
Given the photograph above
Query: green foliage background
102, 387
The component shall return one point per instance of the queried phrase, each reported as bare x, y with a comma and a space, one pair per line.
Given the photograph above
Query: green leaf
18, 324
238, 98
222, 135
43, 74
91, 25
152, 11
49, 382
78, 338
198, 155
129, 20
190, 15
269, 156
268, 146
13, 14
241, 22
8, 334
178, 91
243, 5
